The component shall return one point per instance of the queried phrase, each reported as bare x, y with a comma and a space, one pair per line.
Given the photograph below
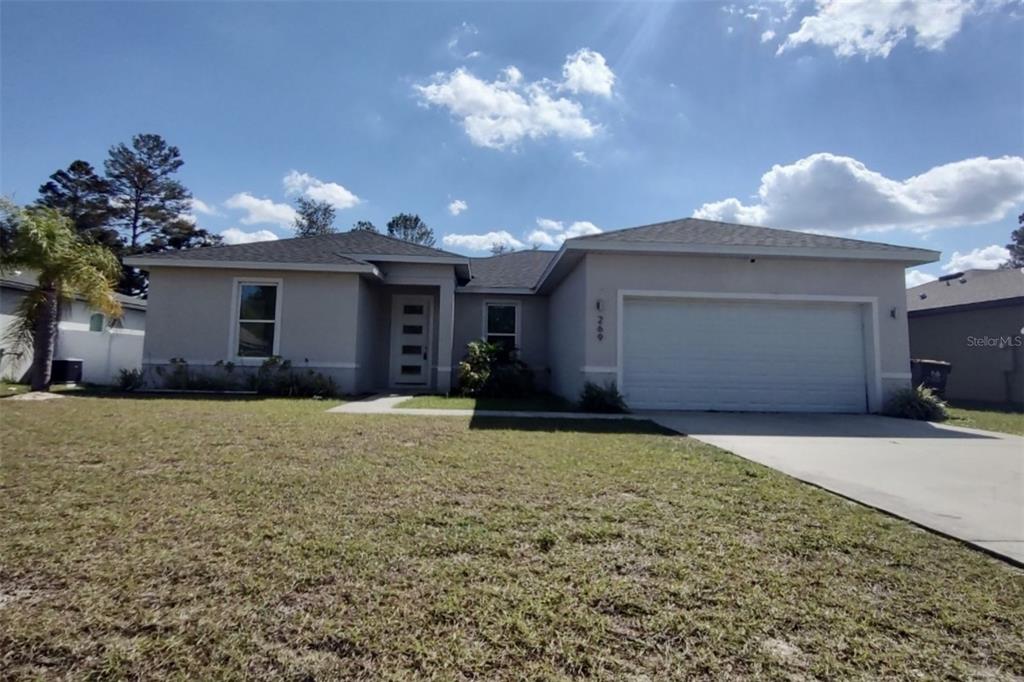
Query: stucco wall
533, 328
983, 371
191, 310
607, 274
567, 319
103, 353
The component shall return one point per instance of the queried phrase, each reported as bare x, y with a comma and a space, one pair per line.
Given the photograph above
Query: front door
410, 341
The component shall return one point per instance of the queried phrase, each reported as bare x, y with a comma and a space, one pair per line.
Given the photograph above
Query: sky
527, 123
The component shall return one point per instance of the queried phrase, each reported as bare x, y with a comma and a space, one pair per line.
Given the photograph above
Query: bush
594, 398
493, 371
130, 379
180, 378
276, 377
917, 403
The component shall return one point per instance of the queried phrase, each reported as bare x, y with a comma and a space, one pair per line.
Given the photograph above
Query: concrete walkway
965, 483
386, 404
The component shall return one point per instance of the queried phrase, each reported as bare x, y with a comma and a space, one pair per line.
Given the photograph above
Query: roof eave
909, 256
145, 263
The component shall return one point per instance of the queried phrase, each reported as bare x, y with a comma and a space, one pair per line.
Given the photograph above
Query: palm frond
19, 335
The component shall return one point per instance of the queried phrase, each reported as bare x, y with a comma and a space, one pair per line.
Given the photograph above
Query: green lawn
988, 419
541, 403
8, 388
172, 538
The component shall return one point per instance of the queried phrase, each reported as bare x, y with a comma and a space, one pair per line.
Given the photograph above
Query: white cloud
587, 71
916, 278
829, 192
464, 30
260, 211
233, 235
200, 206
984, 258
304, 184
767, 35
872, 28
482, 242
550, 233
554, 232
550, 225
457, 207
500, 113
581, 156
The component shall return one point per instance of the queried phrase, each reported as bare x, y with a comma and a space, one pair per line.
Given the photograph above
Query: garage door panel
741, 355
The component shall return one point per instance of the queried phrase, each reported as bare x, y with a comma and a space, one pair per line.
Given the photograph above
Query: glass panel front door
410, 340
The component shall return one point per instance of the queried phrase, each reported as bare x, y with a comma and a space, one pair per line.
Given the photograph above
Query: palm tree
44, 241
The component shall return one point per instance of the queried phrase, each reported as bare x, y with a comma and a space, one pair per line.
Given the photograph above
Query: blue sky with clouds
528, 123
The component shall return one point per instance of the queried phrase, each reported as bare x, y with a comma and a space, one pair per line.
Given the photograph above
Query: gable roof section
697, 232
694, 236
519, 270
970, 288
344, 251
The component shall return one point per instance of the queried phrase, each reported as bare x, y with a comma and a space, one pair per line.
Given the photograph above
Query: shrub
129, 379
180, 378
490, 370
276, 377
594, 398
917, 403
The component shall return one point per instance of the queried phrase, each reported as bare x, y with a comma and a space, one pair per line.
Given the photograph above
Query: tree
411, 229
84, 198
499, 248
68, 267
144, 196
314, 218
364, 226
1016, 246
181, 234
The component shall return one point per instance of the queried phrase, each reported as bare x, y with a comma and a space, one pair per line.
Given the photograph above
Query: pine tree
145, 198
314, 218
411, 228
83, 197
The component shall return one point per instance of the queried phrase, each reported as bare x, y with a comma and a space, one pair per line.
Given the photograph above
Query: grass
9, 388
987, 419
171, 538
541, 403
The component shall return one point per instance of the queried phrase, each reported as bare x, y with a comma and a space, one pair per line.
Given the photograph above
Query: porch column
445, 332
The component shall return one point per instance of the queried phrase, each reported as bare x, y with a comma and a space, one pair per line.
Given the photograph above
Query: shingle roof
519, 269
342, 248
713, 233
971, 287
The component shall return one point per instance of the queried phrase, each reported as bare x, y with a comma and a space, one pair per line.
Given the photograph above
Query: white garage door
714, 354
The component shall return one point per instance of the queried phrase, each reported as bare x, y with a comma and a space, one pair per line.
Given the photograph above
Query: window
96, 322
412, 329
257, 320
412, 310
501, 324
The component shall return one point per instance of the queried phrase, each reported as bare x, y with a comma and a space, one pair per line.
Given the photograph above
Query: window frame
236, 322
517, 336
103, 322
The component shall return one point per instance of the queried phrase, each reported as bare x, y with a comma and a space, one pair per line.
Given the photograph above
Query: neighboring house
975, 321
688, 314
105, 346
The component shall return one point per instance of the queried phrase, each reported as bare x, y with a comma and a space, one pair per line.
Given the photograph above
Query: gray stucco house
687, 314
975, 321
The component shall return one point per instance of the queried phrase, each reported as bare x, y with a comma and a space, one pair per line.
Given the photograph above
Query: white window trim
519, 320
236, 311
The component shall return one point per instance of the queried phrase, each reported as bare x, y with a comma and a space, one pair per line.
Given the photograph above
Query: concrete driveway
962, 482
